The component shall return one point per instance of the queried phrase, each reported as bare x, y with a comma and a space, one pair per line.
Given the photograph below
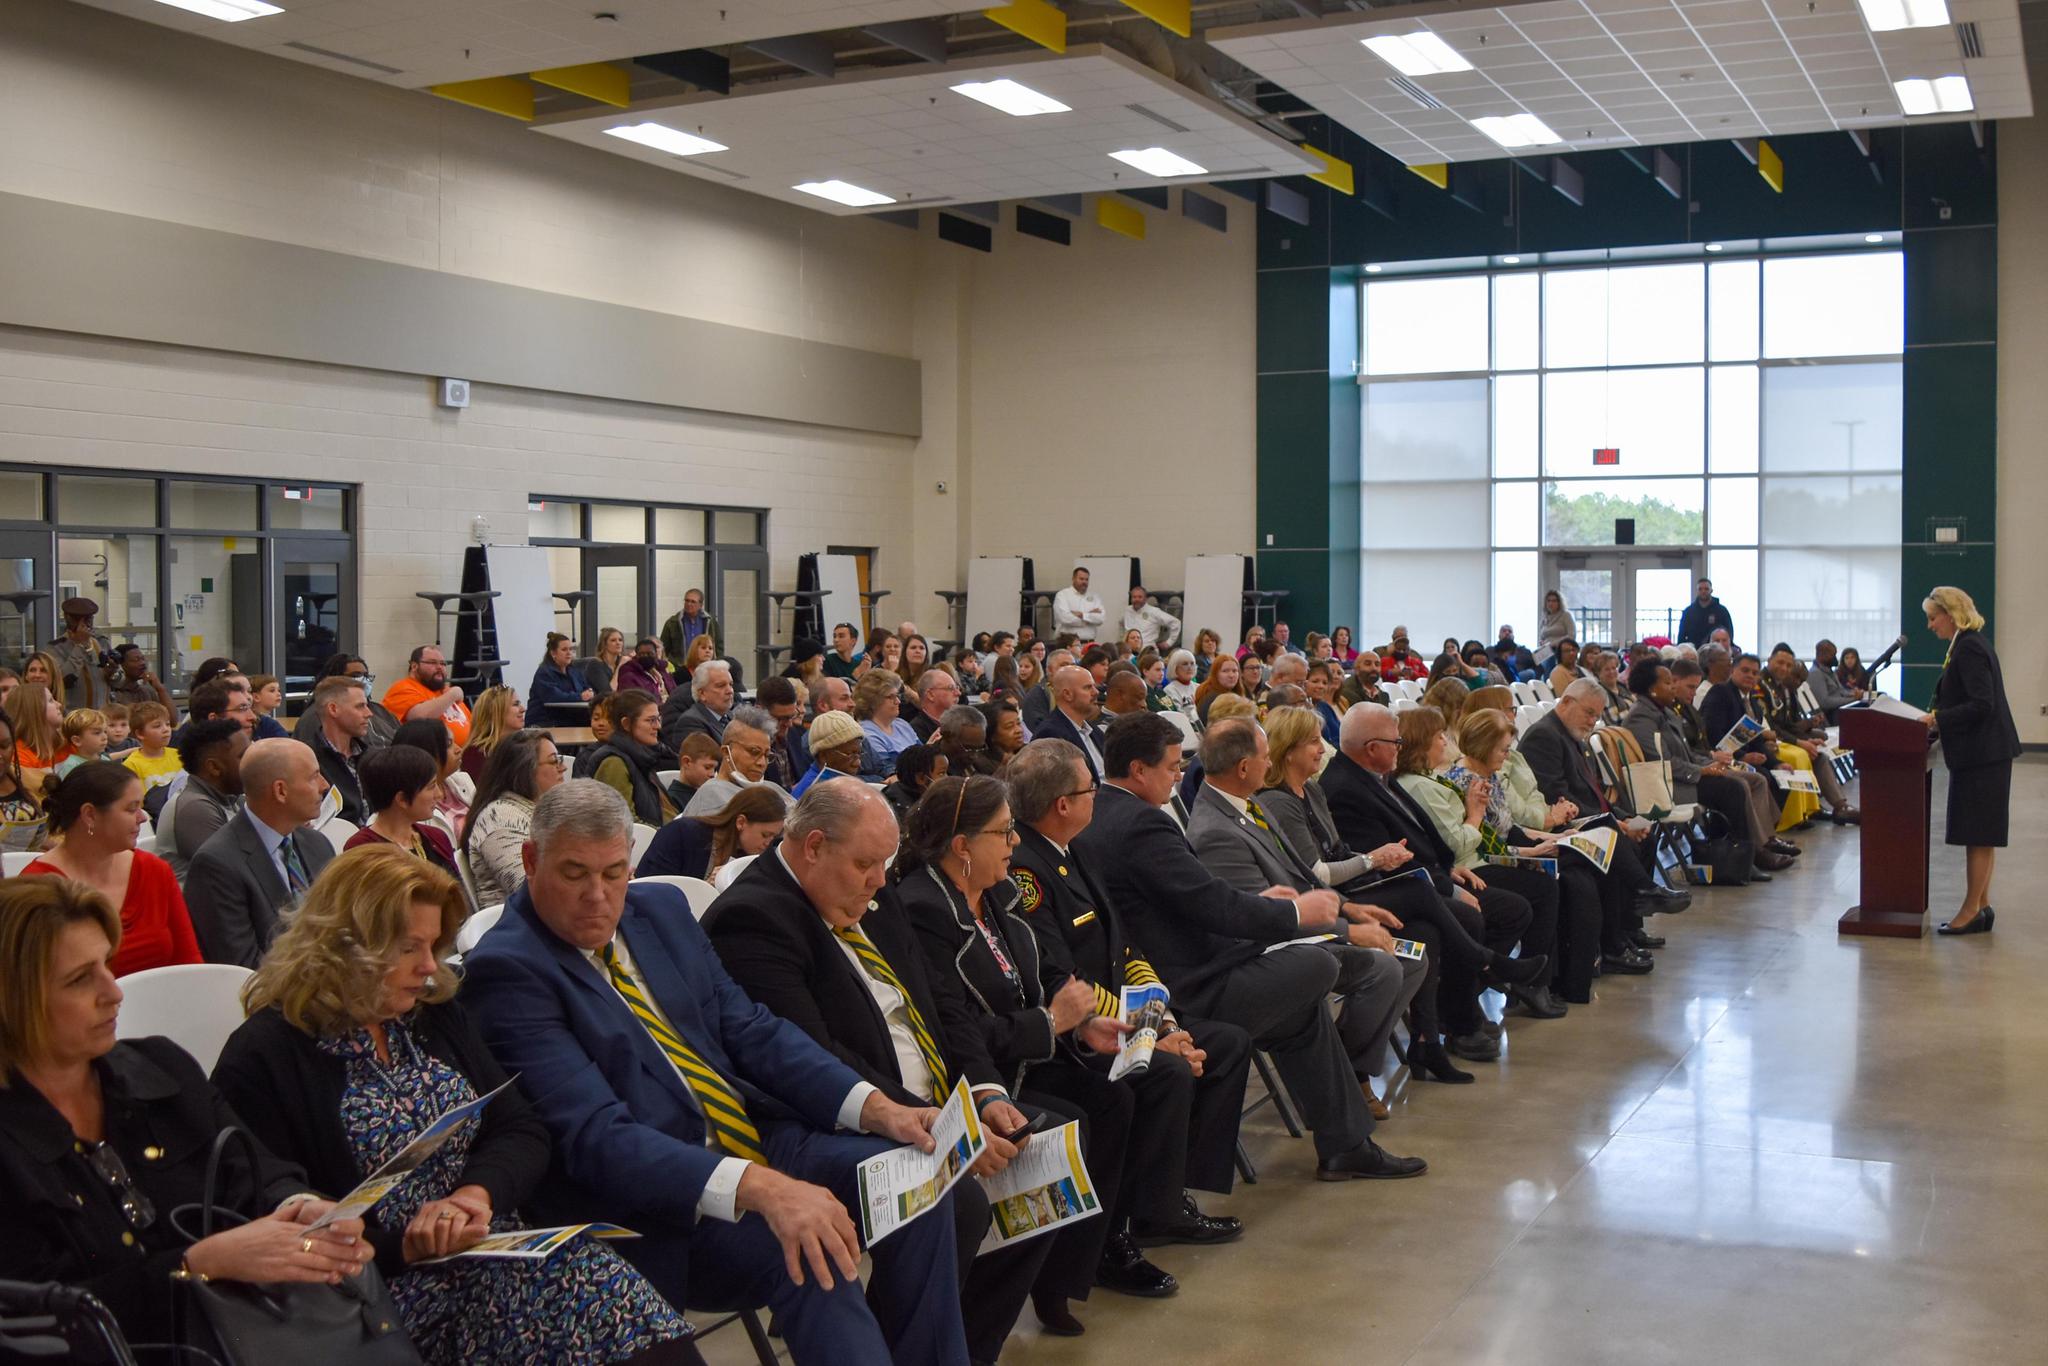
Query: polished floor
1782, 1146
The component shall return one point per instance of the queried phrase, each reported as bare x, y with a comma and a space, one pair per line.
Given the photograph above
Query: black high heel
1981, 924
1431, 1061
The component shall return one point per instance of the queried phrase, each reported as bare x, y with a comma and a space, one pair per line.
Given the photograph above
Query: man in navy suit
685, 1111
1072, 717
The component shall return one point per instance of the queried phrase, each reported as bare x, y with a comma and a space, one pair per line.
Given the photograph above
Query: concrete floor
1779, 1147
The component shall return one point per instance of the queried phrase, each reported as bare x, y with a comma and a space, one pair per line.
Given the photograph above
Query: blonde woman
601, 670
354, 1042
38, 722
1450, 697
1978, 743
42, 667
497, 714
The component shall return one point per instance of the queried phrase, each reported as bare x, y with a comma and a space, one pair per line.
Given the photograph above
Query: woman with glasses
523, 766
354, 1042
630, 762
878, 706
100, 1141
953, 879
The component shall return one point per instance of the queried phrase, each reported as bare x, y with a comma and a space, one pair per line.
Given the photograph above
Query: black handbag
1723, 858
354, 1323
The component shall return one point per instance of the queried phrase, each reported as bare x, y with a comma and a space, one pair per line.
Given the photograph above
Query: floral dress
584, 1304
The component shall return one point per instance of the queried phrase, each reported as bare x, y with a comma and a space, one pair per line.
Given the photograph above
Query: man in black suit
796, 932
1073, 716
263, 859
1038, 702
703, 707
1209, 941
1052, 799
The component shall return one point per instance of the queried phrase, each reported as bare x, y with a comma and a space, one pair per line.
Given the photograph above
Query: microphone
1886, 657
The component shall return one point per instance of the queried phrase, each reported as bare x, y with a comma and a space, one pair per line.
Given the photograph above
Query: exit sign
1607, 455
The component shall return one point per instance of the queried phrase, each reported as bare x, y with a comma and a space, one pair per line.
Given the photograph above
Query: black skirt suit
1978, 741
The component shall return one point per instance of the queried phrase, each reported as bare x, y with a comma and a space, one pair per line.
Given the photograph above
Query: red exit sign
1607, 455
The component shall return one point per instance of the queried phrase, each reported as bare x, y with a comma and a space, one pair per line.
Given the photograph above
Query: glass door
312, 586
742, 608
27, 610
617, 577
1660, 586
1591, 586
1619, 596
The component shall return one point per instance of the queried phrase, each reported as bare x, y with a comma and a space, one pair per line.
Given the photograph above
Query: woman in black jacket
100, 1141
955, 889
353, 1047
1978, 742
631, 761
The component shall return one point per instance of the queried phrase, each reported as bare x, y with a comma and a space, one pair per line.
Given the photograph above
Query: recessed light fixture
839, 192
1011, 97
1511, 260
1372, 270
1417, 54
1158, 161
1942, 95
227, 11
663, 138
1713, 246
1884, 16
1517, 130
1874, 238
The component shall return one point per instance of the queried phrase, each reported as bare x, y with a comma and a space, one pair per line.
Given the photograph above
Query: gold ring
445, 1214
305, 1245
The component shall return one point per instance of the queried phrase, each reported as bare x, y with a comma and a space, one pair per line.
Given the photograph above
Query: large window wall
1744, 412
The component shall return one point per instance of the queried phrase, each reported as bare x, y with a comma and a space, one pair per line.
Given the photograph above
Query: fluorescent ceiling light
1511, 260
1942, 95
227, 11
839, 192
1011, 97
1884, 16
1873, 237
1713, 246
1158, 161
663, 138
1517, 130
1372, 270
1417, 54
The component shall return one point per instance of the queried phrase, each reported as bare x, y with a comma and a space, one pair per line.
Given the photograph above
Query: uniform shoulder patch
1027, 883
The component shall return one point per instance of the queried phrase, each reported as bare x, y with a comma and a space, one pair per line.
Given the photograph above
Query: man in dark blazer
695, 1116
1072, 717
1038, 699
703, 707
787, 931
1233, 839
1209, 941
1079, 931
263, 859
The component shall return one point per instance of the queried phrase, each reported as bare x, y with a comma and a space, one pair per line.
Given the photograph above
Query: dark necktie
295, 879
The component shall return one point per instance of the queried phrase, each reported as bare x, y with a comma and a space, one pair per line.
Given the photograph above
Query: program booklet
1741, 735
1144, 1010
406, 1160
901, 1184
1544, 865
532, 1244
1045, 1187
1596, 846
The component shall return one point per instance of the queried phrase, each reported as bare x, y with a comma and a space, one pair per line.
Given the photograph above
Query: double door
1617, 596
636, 590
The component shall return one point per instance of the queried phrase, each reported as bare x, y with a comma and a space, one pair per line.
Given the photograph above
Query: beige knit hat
833, 729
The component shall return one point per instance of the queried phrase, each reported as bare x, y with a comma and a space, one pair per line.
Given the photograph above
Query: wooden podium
1894, 760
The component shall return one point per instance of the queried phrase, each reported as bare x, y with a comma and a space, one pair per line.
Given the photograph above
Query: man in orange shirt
425, 693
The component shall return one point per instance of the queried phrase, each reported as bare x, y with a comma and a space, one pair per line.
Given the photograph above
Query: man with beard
1364, 683
426, 694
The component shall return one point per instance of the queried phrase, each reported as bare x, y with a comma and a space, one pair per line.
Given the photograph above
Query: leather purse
354, 1323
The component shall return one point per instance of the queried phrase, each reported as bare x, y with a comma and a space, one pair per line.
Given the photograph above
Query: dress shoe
1507, 971
1846, 814
1054, 1316
1193, 1226
1429, 1062
1478, 1046
1783, 846
1633, 966
1772, 862
1758, 875
1123, 1268
1374, 1106
1494, 1028
1539, 1003
1662, 899
1642, 939
1369, 1162
1978, 924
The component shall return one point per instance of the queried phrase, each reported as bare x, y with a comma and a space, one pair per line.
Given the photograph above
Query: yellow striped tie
1251, 808
723, 1109
878, 968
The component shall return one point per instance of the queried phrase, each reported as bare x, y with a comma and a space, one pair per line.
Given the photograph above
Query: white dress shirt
1154, 624
1080, 613
720, 1199
895, 1008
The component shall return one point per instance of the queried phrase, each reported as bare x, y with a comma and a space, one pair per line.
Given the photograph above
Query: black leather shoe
1369, 1162
1768, 862
1054, 1317
1515, 971
1785, 847
1430, 1062
1192, 1227
1123, 1268
1478, 1046
1642, 939
1846, 815
1626, 967
1539, 1003
1979, 924
1662, 899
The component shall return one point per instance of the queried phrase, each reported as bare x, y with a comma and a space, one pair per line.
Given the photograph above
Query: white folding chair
1526, 717
1524, 695
146, 841
696, 890
1542, 691
665, 776
338, 832
473, 928
1402, 704
194, 1005
441, 821
643, 835
12, 862
730, 870
1189, 741
462, 786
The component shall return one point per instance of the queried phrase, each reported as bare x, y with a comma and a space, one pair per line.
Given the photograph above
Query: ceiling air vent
1157, 118
333, 56
1422, 98
1966, 34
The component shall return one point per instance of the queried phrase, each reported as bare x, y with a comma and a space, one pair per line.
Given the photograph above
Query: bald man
1125, 695
261, 862
1073, 714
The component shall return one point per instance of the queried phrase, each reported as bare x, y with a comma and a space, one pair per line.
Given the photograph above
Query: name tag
1083, 919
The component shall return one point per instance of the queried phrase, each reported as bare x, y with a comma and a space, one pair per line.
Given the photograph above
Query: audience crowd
932, 868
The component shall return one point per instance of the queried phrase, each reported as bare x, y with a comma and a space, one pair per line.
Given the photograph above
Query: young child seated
153, 760
85, 735
119, 741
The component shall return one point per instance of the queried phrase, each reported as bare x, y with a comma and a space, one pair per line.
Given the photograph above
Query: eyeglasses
1382, 740
1087, 791
1006, 831
107, 1165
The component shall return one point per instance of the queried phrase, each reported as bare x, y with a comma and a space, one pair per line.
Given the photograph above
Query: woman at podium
1978, 742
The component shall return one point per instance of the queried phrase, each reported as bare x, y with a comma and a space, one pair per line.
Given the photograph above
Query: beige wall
2023, 398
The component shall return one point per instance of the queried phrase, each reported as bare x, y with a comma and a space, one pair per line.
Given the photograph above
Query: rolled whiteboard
1212, 598
995, 586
